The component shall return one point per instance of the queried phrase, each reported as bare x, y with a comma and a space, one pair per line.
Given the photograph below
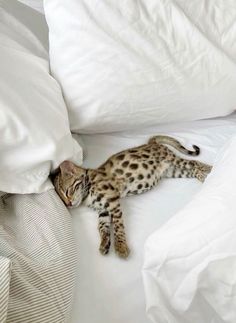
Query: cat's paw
122, 249
201, 176
105, 246
204, 168
208, 169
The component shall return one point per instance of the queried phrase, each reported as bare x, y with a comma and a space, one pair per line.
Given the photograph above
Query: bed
181, 234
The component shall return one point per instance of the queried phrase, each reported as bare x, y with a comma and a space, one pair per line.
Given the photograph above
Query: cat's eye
76, 187
67, 192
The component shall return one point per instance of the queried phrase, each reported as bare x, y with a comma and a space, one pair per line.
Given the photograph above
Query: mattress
110, 289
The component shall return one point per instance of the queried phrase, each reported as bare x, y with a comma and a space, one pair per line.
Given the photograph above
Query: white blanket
190, 263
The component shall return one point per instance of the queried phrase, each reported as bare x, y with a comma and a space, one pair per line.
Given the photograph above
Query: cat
132, 171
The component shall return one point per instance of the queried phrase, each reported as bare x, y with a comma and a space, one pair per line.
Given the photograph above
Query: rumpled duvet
190, 263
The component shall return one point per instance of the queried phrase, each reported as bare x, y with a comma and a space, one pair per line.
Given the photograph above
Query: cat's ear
68, 168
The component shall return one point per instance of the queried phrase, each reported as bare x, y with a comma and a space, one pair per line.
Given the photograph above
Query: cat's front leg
120, 243
108, 206
105, 232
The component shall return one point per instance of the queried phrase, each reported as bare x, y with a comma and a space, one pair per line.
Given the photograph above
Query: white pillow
34, 128
35, 4
126, 64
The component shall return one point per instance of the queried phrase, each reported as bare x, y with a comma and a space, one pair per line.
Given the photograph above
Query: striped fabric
5, 274
37, 259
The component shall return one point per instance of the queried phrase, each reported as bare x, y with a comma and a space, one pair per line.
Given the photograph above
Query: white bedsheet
110, 289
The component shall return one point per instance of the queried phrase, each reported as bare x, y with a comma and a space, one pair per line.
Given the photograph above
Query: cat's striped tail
166, 140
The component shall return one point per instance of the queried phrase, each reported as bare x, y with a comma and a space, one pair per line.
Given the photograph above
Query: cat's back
130, 160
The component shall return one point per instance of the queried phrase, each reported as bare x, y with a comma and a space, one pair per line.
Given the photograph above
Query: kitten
132, 171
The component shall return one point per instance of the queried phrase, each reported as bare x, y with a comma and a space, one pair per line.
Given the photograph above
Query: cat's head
70, 183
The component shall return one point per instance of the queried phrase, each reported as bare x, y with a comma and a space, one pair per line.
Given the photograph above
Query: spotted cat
132, 171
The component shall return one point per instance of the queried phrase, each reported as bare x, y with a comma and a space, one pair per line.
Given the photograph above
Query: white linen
190, 263
110, 289
128, 64
34, 129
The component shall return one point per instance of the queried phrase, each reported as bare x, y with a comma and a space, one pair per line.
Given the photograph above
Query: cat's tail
166, 140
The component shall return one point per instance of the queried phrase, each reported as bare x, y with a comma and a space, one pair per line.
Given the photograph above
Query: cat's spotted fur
132, 171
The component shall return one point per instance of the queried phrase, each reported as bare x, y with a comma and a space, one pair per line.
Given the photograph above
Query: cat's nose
69, 203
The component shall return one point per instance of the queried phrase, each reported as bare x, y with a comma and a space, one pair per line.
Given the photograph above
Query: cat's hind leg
184, 168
